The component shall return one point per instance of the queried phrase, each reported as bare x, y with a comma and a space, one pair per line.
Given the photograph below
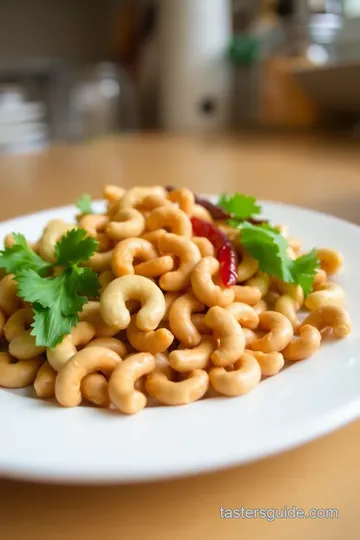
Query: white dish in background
45, 442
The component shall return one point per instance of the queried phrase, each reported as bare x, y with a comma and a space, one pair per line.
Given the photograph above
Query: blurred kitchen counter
317, 172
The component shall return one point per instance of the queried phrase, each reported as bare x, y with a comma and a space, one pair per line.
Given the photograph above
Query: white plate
43, 441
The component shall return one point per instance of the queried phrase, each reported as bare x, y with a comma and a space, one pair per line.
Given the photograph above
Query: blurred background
72, 70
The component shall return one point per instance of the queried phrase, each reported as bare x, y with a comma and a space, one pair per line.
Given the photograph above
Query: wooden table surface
318, 173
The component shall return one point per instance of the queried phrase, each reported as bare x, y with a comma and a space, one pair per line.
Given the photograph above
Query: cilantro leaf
50, 329
240, 206
20, 255
75, 247
84, 281
84, 204
304, 269
269, 248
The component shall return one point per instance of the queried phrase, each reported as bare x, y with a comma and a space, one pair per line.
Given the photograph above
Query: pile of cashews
164, 330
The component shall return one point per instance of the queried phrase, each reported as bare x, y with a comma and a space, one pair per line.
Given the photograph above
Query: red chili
225, 252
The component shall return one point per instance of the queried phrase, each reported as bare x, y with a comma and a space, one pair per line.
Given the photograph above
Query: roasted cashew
55, 229
188, 255
204, 287
94, 388
245, 376
155, 268
126, 251
198, 320
154, 237
184, 360
127, 223
305, 345
249, 336
247, 295
113, 193
135, 196
44, 384
152, 341
68, 380
113, 302
180, 319
170, 218
19, 374
286, 305
185, 199
17, 323
270, 363
177, 393
260, 307
105, 278
121, 385
80, 336
112, 343
244, 314
261, 281
95, 225
91, 314
230, 334
100, 262
247, 268
23, 346
200, 212
9, 301
330, 316
320, 278
150, 202
279, 335
331, 261
205, 246
295, 291
2, 322
325, 294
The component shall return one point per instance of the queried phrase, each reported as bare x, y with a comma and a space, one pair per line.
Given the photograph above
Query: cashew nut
94, 388
17, 323
260, 307
245, 376
320, 278
44, 384
244, 314
204, 287
126, 251
127, 223
155, 268
68, 380
330, 316
280, 332
270, 363
331, 260
118, 292
9, 301
205, 246
152, 341
305, 345
247, 268
55, 229
198, 320
23, 346
247, 295
200, 212
184, 360
231, 337
113, 193
135, 196
249, 336
177, 393
121, 385
326, 293
105, 278
286, 305
185, 199
261, 281
91, 314
180, 319
18, 374
188, 254
80, 336
170, 218
109, 343
95, 225
100, 262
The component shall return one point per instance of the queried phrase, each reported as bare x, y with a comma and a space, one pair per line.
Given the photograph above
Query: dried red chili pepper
225, 252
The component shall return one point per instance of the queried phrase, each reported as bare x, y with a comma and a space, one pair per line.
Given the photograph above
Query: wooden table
318, 173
